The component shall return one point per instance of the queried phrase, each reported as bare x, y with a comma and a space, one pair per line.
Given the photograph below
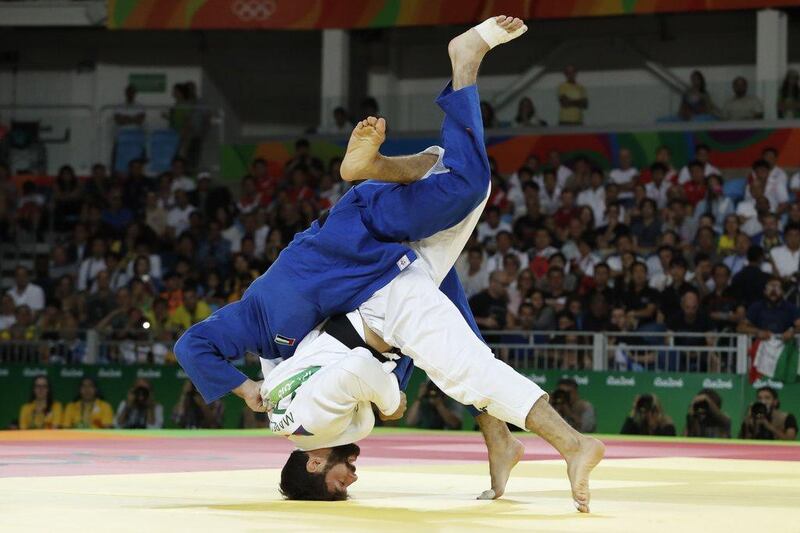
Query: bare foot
579, 466
502, 459
362, 149
467, 50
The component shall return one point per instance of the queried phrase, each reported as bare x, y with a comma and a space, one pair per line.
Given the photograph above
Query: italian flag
775, 359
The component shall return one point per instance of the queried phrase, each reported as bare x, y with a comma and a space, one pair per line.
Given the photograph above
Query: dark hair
760, 163
769, 389
568, 381
702, 80
97, 394
695, 163
297, 483
713, 396
659, 166
49, 401
755, 253
701, 146
769, 149
302, 143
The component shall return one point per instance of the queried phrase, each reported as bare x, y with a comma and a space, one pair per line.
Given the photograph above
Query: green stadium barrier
611, 393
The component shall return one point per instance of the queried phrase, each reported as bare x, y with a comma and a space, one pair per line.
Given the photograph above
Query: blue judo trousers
335, 267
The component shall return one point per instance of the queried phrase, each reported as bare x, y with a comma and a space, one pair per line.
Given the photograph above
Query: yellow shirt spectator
96, 414
32, 416
183, 318
571, 114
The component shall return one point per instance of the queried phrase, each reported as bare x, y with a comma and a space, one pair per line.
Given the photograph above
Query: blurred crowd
563, 245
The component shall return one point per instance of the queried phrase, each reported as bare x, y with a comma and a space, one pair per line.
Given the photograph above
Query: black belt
340, 328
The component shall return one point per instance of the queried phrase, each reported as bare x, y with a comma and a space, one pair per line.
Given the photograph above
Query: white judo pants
412, 314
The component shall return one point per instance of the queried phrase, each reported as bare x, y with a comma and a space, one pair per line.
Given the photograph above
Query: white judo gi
331, 407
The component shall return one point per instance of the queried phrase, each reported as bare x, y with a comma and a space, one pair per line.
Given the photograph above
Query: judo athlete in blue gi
385, 250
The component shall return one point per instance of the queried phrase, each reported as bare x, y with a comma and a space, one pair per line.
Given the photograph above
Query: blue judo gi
335, 267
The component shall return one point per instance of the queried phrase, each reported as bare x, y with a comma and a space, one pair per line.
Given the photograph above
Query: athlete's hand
250, 392
398, 414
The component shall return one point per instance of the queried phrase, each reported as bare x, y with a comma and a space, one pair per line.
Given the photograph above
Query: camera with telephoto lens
560, 397
141, 395
701, 407
758, 409
433, 390
644, 403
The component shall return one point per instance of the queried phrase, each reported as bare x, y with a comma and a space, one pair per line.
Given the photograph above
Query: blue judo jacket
334, 267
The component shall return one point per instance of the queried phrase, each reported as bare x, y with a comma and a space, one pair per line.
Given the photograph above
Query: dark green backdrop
612, 393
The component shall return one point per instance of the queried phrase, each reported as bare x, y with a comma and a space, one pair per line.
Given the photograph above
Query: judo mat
408, 481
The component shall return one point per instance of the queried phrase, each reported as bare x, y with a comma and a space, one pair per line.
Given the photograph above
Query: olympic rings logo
249, 10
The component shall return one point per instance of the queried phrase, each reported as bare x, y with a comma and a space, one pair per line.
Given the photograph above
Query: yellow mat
675, 495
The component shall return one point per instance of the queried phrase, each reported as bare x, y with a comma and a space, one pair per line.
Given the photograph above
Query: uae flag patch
284, 341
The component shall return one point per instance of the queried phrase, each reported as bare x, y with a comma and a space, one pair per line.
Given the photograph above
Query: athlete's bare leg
582, 453
505, 452
364, 161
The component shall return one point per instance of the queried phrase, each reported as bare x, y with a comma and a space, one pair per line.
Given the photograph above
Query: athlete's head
320, 475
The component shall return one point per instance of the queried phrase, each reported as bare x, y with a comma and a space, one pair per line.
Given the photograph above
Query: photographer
139, 410
192, 412
764, 421
647, 418
577, 412
433, 410
705, 417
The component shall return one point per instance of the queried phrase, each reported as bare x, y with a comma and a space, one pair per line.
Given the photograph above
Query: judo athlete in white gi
321, 397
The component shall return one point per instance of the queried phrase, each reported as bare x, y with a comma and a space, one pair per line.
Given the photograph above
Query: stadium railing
661, 351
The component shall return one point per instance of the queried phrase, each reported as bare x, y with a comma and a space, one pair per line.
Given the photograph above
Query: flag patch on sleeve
284, 341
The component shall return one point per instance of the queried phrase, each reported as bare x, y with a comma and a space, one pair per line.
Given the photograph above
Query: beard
341, 454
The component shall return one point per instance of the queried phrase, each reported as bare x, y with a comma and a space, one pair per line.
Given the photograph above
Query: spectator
116, 216
526, 114
695, 189
178, 216
475, 277
89, 410
766, 421
130, 115
488, 116
489, 228
181, 181
770, 237
139, 410
706, 418
489, 306
715, 203
369, 108
550, 193
647, 418
433, 409
92, 265
135, 187
341, 124
563, 172
595, 196
771, 315
625, 176
68, 348
639, 299
191, 311
658, 186
789, 95
751, 281
577, 412
722, 304
689, 319
646, 228
543, 315
742, 106
702, 154
786, 258
768, 183
572, 99
736, 260
41, 411
67, 196
192, 412
504, 246
696, 102
26, 293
